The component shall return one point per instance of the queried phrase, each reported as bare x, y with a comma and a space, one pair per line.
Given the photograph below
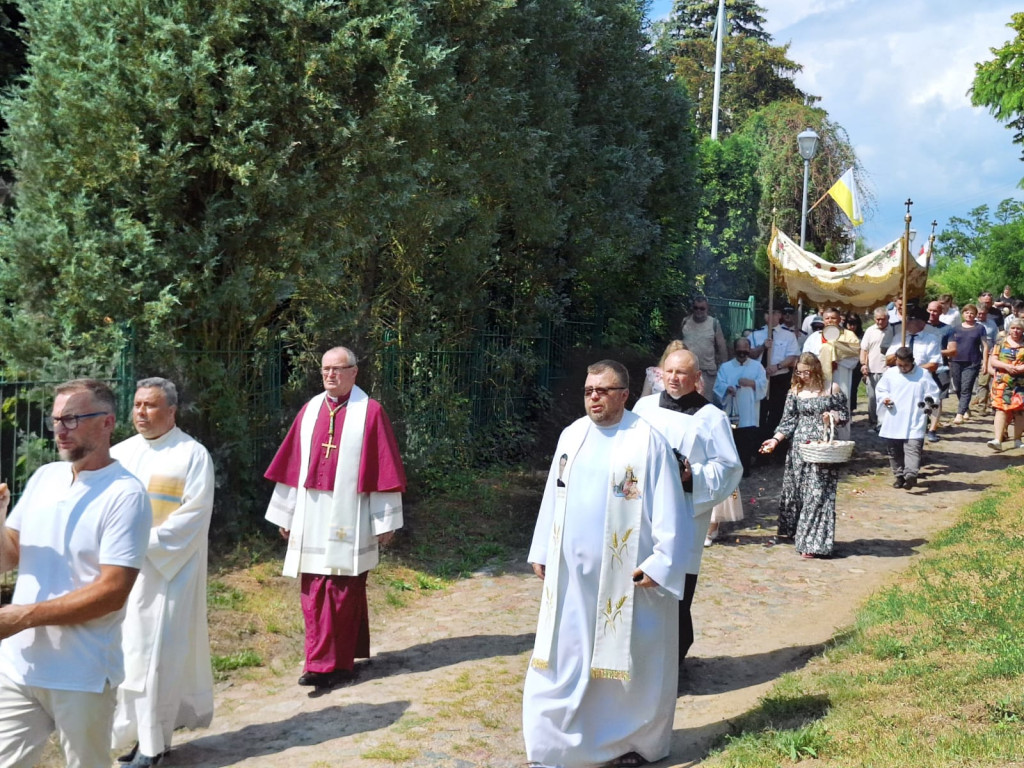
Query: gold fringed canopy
862, 285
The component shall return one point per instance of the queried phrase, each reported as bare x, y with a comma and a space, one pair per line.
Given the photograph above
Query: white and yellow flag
844, 192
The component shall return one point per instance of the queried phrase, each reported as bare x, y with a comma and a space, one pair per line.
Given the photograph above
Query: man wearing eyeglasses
78, 538
610, 547
168, 680
338, 496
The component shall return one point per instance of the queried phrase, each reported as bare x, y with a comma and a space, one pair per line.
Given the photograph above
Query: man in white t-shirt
78, 538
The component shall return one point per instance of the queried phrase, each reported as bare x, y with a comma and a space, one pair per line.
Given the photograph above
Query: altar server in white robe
610, 545
902, 395
839, 357
742, 384
168, 680
701, 435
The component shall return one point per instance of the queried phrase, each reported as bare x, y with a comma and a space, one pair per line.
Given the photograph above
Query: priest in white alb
168, 679
902, 401
338, 496
741, 385
610, 545
700, 434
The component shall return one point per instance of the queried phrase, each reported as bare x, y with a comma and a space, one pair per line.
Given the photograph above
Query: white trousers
28, 716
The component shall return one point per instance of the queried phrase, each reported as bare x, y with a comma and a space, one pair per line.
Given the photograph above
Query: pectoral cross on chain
328, 445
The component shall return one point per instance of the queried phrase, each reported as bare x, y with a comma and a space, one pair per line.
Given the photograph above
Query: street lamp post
807, 143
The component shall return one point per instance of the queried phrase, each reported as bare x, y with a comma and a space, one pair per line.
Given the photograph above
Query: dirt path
443, 687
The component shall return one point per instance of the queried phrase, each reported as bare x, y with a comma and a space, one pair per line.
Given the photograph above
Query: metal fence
471, 402
734, 315
25, 443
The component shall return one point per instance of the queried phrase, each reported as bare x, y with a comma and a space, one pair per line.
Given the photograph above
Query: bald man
710, 465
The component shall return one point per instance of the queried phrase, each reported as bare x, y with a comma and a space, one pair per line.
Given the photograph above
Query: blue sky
895, 75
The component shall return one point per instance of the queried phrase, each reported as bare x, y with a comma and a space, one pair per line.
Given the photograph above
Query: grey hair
1015, 323
164, 385
352, 359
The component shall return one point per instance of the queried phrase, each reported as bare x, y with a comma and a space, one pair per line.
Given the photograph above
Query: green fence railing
734, 315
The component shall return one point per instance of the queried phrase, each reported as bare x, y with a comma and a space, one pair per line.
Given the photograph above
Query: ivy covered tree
727, 235
772, 131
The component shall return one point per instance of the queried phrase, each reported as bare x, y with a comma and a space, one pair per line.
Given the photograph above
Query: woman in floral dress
1007, 366
807, 507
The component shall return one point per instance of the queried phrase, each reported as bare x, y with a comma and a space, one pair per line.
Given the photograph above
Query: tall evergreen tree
13, 63
695, 19
209, 179
755, 73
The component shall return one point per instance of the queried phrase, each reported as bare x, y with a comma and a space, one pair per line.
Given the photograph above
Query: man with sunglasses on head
78, 538
610, 547
702, 335
338, 497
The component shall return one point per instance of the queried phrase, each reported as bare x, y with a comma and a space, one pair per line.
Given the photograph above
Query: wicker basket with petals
828, 451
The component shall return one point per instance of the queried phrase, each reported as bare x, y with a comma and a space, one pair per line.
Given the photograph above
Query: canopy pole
767, 359
906, 268
931, 245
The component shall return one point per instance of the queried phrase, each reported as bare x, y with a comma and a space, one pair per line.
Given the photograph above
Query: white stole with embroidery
620, 555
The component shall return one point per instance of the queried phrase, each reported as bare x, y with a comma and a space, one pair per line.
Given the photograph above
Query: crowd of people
632, 494
105, 640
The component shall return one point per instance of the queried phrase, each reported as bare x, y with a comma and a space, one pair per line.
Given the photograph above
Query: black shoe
909, 482
129, 756
144, 761
327, 679
898, 483
319, 679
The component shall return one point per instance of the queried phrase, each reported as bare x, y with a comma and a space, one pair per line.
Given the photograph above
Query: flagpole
718, 69
818, 201
906, 267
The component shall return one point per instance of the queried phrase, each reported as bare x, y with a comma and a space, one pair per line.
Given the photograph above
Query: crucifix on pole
906, 269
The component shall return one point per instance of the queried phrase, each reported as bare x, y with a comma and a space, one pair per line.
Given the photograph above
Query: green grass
929, 676
239, 660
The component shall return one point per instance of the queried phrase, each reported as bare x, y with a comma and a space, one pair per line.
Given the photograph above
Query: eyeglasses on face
803, 372
335, 369
599, 391
70, 421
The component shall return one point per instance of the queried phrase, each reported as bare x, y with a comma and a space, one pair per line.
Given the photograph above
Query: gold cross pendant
328, 445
